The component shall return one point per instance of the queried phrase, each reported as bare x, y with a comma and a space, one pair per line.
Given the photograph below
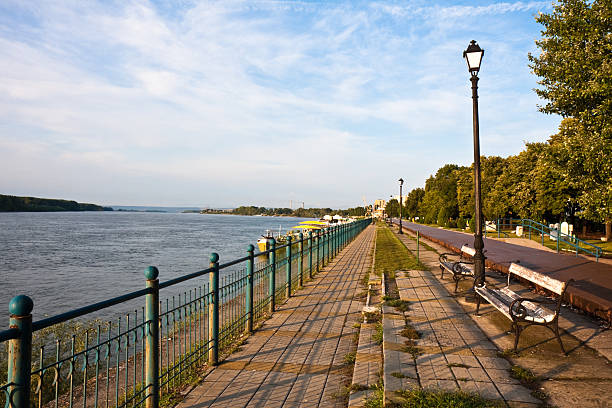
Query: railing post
288, 268
272, 277
213, 313
310, 254
20, 352
318, 242
152, 333
336, 240
323, 247
328, 243
300, 260
249, 291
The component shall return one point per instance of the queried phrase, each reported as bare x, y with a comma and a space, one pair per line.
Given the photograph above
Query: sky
261, 102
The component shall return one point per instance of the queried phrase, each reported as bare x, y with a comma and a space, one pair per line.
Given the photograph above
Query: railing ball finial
21, 305
151, 273
214, 257
251, 248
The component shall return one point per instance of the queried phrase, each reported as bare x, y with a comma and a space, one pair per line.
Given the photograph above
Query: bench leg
457, 279
477, 304
517, 334
556, 330
442, 270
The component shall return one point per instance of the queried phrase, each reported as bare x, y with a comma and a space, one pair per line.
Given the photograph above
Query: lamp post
401, 183
473, 56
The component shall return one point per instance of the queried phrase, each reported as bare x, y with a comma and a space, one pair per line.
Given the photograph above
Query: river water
72, 259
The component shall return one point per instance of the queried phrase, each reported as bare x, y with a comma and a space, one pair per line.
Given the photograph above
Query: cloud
202, 99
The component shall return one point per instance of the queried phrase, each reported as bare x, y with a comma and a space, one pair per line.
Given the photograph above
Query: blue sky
223, 103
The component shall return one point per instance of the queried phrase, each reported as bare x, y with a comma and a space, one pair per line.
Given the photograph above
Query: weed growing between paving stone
349, 358
507, 353
409, 332
531, 381
525, 376
412, 349
372, 317
378, 334
376, 399
345, 391
398, 375
437, 398
401, 305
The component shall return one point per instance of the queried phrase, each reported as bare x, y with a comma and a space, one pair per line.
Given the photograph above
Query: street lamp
473, 56
401, 183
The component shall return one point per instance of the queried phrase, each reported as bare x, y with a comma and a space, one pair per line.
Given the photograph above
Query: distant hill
10, 203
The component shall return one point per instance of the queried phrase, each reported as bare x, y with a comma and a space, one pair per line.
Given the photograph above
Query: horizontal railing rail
66, 360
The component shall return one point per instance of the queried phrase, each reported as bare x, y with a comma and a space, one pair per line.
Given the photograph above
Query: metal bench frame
460, 268
520, 310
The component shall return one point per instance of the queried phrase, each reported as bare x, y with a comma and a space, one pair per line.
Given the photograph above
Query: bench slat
539, 279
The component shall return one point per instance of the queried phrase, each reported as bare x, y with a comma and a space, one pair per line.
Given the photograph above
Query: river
71, 259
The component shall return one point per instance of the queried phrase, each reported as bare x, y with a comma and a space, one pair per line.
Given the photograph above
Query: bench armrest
444, 257
517, 310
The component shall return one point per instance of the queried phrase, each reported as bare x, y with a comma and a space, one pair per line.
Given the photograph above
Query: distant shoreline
9, 203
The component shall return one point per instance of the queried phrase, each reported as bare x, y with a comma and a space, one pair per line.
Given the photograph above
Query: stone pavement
296, 359
452, 351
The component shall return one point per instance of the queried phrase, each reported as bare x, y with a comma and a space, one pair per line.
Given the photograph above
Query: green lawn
391, 255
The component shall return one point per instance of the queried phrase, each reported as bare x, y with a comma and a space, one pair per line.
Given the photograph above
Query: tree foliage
10, 203
575, 70
392, 208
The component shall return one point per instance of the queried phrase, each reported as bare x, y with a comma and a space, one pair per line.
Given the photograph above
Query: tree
392, 208
441, 195
575, 67
587, 171
491, 169
413, 202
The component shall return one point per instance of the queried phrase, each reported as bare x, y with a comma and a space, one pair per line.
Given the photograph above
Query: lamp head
473, 56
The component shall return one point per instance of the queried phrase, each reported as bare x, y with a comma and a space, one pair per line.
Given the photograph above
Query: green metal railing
533, 227
150, 353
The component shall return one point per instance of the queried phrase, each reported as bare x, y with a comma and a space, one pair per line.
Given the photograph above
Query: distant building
379, 208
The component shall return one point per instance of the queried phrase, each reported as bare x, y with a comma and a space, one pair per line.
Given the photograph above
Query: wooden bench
461, 268
526, 312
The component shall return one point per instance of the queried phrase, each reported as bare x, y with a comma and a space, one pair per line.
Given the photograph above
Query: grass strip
391, 254
437, 398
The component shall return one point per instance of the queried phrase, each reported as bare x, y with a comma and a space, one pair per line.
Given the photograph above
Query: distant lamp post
473, 56
401, 183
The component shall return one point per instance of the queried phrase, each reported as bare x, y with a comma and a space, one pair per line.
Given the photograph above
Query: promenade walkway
297, 357
591, 291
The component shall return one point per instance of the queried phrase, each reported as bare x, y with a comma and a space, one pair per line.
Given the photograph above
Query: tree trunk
609, 230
